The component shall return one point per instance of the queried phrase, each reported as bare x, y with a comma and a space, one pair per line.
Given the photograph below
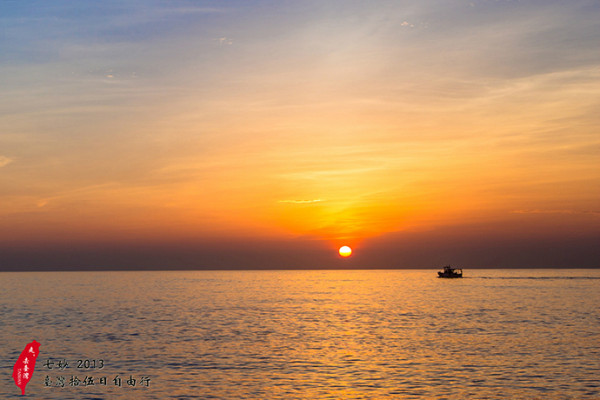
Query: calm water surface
496, 334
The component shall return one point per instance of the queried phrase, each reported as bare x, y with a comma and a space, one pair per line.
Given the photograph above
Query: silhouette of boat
450, 272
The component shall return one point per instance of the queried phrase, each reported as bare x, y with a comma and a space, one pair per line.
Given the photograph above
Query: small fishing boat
450, 272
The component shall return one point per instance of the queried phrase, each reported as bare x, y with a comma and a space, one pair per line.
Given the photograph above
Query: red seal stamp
25, 365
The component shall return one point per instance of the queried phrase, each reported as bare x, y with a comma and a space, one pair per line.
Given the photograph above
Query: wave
540, 277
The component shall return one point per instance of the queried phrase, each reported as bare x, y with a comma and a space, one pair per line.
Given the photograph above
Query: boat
450, 272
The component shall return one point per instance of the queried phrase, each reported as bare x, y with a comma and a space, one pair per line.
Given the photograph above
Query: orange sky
299, 123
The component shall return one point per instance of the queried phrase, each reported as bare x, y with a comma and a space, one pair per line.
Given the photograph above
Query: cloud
5, 161
301, 201
536, 211
223, 41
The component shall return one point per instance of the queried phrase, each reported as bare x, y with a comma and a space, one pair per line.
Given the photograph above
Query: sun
345, 251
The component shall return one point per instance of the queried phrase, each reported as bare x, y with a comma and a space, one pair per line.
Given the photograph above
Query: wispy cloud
301, 201
537, 211
5, 161
225, 41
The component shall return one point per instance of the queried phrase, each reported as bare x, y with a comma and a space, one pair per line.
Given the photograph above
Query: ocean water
495, 334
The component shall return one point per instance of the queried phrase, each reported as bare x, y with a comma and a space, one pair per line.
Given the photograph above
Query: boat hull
449, 275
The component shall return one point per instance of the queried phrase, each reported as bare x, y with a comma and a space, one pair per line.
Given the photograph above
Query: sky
267, 134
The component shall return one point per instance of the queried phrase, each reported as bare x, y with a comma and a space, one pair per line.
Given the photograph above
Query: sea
311, 334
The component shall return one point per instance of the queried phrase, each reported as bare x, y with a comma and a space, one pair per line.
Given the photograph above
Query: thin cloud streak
584, 212
4, 161
301, 201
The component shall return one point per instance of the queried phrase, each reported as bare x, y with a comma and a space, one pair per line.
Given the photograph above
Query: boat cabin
450, 272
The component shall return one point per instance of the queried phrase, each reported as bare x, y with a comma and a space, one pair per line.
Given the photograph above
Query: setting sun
345, 251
